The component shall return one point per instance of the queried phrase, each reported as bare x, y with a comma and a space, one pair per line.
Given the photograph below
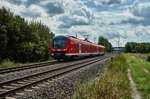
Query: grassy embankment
140, 70
113, 83
9, 64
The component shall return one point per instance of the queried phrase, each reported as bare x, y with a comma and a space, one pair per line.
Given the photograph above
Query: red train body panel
69, 47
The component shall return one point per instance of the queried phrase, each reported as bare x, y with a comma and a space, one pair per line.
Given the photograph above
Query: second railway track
10, 87
14, 69
31, 66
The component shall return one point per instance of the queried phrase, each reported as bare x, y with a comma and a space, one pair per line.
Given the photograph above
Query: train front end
59, 47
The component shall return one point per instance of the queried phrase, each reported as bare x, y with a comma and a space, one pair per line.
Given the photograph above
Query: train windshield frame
60, 42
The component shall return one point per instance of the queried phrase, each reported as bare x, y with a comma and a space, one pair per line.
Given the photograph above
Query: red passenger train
64, 47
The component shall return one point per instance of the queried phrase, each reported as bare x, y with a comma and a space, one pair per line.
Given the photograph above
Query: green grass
9, 64
113, 83
140, 77
141, 56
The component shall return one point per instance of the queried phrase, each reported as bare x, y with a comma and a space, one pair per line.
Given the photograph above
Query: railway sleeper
16, 85
41, 85
9, 97
20, 82
9, 87
27, 80
19, 93
35, 87
28, 90
3, 90
32, 79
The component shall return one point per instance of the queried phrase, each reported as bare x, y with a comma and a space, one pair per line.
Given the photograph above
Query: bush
7, 63
148, 58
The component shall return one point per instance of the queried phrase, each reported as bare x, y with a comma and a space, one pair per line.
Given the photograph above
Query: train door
80, 48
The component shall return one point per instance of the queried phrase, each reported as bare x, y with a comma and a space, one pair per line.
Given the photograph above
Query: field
141, 56
113, 82
140, 70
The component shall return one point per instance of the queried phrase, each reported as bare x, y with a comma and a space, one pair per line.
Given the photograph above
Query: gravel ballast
23, 73
64, 86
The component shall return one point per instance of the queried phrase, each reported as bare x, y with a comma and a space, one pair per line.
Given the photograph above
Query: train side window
76, 47
83, 48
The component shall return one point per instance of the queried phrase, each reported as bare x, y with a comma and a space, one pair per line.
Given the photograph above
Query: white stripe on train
83, 54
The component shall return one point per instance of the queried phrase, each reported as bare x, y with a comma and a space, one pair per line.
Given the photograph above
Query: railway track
21, 68
11, 87
14, 69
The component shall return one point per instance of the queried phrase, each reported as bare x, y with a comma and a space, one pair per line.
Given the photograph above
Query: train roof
60, 36
84, 41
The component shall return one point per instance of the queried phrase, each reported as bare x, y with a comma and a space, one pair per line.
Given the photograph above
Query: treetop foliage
103, 41
133, 47
23, 41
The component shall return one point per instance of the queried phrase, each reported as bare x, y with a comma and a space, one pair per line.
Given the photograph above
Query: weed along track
13, 86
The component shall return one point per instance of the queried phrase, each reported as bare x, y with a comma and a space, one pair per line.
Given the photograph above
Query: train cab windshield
60, 42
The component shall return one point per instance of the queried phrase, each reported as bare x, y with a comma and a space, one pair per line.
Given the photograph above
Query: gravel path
135, 92
65, 86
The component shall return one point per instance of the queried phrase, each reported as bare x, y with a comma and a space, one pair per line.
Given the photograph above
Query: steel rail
46, 78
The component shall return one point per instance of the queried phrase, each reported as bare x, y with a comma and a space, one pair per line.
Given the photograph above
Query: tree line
133, 47
21, 40
103, 41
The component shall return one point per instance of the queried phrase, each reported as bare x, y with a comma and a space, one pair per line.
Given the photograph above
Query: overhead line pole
86, 36
118, 41
94, 39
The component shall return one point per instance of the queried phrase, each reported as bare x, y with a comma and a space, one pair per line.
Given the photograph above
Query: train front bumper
59, 55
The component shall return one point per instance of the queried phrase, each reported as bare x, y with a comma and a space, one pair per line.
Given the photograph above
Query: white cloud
128, 20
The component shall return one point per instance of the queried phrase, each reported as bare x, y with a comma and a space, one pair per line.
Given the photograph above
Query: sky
126, 20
